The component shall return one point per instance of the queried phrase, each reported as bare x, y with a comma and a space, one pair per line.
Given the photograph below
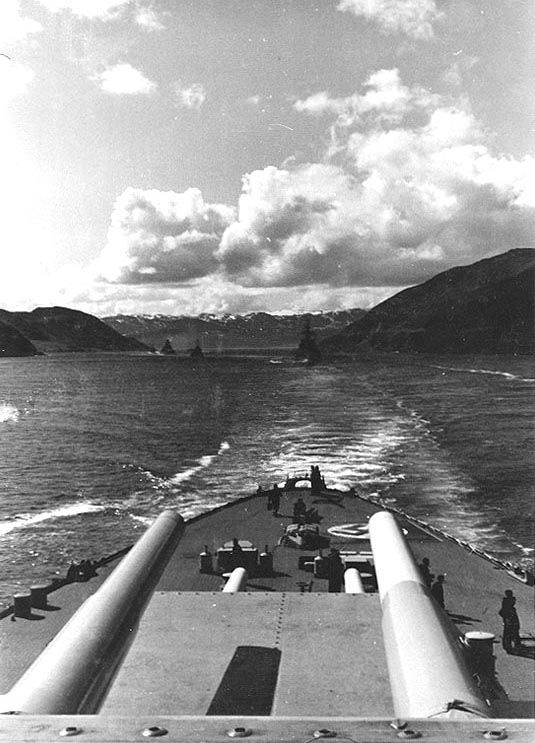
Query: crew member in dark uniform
275, 499
511, 623
335, 571
315, 480
425, 571
437, 589
299, 510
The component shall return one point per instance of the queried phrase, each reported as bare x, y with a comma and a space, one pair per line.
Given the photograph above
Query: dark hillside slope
487, 307
63, 329
13, 342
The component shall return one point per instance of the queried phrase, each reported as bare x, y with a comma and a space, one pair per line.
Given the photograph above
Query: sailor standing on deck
335, 571
437, 590
425, 571
511, 623
275, 499
315, 480
299, 510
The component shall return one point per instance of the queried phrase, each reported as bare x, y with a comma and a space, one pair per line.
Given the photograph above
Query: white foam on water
202, 463
365, 461
181, 477
415, 416
493, 372
25, 520
145, 520
8, 412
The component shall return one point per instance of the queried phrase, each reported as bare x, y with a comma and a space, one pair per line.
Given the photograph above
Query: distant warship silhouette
167, 348
197, 352
308, 350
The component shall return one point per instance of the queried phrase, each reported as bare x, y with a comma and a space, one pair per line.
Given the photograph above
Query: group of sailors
273, 499
301, 514
435, 585
511, 623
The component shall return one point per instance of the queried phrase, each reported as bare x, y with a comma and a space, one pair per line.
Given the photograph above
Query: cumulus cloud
86, 8
123, 79
412, 17
14, 80
408, 186
158, 236
192, 96
285, 221
387, 100
148, 19
316, 224
14, 26
108, 10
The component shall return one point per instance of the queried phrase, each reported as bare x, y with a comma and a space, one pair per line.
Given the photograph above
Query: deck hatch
248, 685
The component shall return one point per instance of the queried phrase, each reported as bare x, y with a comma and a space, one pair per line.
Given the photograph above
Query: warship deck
286, 647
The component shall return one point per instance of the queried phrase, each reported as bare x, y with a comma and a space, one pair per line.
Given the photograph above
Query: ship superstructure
308, 350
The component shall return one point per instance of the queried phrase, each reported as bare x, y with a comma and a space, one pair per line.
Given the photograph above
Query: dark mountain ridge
486, 307
52, 329
254, 330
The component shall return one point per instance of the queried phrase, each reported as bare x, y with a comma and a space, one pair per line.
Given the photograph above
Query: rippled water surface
92, 447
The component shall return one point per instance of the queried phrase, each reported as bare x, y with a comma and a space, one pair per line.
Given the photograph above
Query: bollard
22, 605
205, 561
480, 647
265, 562
39, 594
320, 566
353, 581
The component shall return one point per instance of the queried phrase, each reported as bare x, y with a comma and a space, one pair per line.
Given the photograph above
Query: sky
232, 156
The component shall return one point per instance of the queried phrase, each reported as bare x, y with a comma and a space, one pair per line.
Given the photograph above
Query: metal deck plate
331, 653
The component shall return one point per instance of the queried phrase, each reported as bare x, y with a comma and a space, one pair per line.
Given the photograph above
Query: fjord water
93, 447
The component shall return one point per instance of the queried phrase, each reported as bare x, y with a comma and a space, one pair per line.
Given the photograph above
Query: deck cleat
239, 732
324, 733
155, 731
495, 734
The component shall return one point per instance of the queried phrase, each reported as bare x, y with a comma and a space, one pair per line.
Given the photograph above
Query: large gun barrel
428, 674
353, 581
74, 671
237, 581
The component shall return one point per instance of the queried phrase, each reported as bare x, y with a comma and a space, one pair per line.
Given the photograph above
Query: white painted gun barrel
237, 581
73, 672
428, 673
353, 581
